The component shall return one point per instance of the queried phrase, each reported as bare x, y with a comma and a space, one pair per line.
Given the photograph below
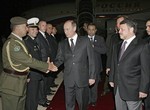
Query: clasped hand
51, 66
91, 81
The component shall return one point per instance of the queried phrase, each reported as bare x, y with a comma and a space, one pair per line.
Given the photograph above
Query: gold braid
9, 59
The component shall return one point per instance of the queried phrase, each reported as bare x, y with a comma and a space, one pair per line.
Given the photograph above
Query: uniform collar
16, 36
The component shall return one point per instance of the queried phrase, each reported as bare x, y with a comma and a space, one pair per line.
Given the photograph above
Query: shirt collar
129, 41
74, 39
42, 33
91, 37
53, 35
31, 37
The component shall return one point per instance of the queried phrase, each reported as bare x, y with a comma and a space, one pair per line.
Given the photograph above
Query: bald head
42, 26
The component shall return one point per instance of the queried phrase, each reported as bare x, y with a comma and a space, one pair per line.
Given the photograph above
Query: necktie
46, 39
91, 39
72, 44
122, 49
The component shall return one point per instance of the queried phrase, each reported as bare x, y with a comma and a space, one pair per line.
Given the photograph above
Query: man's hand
107, 71
142, 95
51, 66
91, 81
111, 84
28, 80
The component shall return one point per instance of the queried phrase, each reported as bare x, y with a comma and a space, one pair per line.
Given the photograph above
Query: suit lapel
77, 46
129, 48
68, 45
118, 50
95, 39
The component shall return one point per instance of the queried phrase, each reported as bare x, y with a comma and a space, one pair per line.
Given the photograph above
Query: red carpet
104, 102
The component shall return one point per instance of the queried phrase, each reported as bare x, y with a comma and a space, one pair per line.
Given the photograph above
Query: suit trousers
106, 84
50, 80
147, 102
11, 102
126, 105
93, 92
76, 93
32, 93
42, 91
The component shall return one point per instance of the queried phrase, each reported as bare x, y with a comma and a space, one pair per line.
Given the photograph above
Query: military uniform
34, 75
16, 63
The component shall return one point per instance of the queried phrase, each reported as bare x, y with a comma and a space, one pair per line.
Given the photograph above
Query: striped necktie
72, 44
122, 49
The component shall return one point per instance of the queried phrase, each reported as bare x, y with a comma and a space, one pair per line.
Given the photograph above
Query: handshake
51, 66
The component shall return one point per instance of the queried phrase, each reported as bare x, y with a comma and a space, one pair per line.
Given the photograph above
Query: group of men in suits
81, 55
82, 64
17, 61
41, 45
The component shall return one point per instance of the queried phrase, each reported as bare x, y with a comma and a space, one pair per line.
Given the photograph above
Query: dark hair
148, 19
91, 24
130, 23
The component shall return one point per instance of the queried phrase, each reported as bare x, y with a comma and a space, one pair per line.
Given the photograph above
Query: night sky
12, 8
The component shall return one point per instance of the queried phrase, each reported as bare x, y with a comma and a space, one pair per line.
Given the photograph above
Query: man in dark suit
50, 32
45, 53
99, 47
147, 100
129, 73
34, 76
79, 67
115, 38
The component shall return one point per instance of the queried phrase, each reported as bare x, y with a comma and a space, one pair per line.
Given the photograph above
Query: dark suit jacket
99, 48
131, 74
79, 65
43, 46
33, 49
53, 46
115, 38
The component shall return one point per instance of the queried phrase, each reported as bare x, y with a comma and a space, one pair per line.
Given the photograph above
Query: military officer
16, 63
34, 76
